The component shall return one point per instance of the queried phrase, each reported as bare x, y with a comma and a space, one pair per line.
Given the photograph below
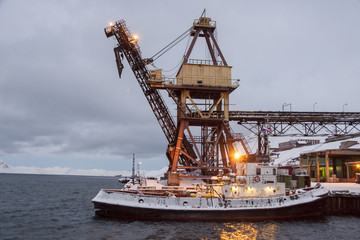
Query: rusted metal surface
304, 123
129, 49
273, 123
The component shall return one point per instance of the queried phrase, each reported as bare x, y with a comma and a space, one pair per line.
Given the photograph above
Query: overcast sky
62, 103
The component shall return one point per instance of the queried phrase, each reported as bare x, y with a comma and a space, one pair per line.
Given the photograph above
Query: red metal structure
128, 48
201, 92
197, 101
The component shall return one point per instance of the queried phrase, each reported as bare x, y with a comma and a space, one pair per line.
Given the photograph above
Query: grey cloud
60, 94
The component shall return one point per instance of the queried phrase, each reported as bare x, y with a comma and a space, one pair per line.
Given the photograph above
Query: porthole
141, 200
185, 203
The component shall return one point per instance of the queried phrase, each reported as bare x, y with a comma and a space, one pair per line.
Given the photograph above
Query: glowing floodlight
133, 39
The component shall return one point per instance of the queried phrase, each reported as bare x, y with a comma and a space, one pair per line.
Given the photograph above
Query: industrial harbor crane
201, 92
196, 99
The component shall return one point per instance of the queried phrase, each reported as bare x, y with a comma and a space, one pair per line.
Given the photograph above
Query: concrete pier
343, 199
343, 203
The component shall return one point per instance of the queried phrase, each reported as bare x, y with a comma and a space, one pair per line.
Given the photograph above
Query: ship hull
310, 209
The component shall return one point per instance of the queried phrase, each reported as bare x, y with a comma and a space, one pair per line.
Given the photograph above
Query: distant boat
124, 179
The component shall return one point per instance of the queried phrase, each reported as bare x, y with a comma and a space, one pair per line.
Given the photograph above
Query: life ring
257, 179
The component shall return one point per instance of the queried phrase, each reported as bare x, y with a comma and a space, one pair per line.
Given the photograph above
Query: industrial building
333, 161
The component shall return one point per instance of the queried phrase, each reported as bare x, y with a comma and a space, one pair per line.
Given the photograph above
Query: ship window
185, 203
258, 171
141, 200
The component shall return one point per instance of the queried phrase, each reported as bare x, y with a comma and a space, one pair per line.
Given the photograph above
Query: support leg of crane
230, 147
179, 141
211, 50
196, 35
223, 152
194, 144
217, 48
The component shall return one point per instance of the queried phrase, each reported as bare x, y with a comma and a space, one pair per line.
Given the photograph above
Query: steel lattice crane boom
128, 48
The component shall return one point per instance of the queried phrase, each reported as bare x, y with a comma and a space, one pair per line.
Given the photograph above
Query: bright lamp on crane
134, 39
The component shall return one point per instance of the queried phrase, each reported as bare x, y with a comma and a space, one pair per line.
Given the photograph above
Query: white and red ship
252, 193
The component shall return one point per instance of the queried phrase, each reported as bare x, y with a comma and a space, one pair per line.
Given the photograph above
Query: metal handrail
199, 23
179, 81
204, 62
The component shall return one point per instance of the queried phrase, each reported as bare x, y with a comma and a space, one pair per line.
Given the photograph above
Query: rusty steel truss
217, 144
272, 123
205, 108
214, 149
128, 48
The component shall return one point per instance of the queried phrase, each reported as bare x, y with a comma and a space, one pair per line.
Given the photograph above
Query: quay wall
343, 203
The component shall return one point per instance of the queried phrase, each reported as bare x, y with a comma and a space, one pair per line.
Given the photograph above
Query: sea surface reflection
249, 231
59, 207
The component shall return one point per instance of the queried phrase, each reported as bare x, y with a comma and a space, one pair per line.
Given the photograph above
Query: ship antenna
133, 169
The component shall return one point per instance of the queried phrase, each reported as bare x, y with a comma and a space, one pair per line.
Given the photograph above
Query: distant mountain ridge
4, 168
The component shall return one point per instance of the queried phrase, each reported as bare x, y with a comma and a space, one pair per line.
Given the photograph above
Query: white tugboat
253, 193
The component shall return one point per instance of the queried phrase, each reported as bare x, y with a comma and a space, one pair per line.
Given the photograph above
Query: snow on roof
290, 155
275, 140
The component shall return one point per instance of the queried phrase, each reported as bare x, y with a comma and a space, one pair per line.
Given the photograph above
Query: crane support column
179, 141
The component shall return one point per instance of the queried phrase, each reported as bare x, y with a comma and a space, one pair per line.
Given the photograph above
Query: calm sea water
59, 207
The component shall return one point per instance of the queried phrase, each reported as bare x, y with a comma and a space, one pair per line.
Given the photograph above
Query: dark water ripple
59, 207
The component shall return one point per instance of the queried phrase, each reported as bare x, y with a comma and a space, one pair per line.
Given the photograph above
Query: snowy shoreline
4, 168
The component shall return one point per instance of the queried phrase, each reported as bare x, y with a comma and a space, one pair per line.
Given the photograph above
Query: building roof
333, 147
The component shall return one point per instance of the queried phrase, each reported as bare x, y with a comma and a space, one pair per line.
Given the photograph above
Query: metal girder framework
215, 148
266, 124
204, 27
217, 144
128, 47
303, 123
